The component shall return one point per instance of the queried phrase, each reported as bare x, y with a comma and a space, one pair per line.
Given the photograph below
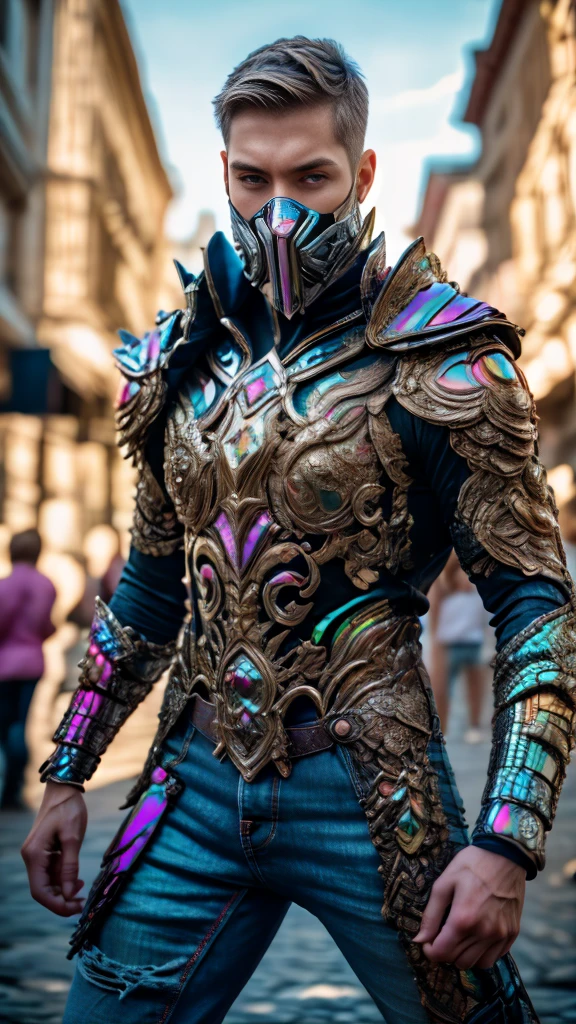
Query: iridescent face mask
297, 251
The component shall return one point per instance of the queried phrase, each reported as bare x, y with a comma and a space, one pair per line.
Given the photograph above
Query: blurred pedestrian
458, 624
26, 601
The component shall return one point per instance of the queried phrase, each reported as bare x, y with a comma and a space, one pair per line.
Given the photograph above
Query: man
26, 601
310, 448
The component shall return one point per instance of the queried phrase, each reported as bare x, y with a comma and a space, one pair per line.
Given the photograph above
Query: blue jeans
461, 656
208, 895
15, 699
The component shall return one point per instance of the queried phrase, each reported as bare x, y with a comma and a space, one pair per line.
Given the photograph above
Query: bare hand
485, 895
51, 850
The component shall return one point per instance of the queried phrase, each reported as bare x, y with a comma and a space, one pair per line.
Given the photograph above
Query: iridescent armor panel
119, 669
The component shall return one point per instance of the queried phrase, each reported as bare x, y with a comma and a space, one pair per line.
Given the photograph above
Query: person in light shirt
459, 623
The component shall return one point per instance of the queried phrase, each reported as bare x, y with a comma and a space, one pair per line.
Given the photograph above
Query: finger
44, 891
492, 954
470, 955
457, 933
447, 952
55, 877
54, 861
69, 867
433, 916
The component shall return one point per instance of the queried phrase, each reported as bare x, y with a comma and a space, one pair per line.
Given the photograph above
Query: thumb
70, 847
440, 899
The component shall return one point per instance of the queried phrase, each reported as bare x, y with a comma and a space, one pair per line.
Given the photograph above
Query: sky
416, 56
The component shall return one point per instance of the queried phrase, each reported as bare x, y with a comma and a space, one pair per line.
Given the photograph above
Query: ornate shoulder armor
142, 363
413, 305
457, 370
506, 511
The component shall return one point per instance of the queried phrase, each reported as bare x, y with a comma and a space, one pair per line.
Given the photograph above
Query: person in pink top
26, 601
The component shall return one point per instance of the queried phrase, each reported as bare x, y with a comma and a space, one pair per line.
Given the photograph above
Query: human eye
252, 179
315, 178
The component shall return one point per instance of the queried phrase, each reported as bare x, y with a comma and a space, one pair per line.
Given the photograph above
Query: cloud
411, 98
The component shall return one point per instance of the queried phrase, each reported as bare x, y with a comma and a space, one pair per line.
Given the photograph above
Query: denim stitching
197, 952
352, 773
240, 808
243, 835
274, 819
249, 854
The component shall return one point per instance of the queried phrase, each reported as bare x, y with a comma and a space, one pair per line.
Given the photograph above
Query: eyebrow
321, 161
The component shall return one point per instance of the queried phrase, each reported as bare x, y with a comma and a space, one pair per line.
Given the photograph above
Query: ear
224, 156
365, 174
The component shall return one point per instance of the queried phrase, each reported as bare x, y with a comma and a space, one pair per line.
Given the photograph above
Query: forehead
284, 137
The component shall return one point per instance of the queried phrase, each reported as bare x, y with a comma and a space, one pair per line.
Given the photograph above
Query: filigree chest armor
272, 477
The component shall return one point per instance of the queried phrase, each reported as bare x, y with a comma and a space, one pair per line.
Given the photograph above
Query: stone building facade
83, 196
26, 32
505, 228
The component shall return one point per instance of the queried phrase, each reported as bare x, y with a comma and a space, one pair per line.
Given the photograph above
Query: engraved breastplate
274, 472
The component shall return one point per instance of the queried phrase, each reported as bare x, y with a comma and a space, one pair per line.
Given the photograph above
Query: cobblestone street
303, 978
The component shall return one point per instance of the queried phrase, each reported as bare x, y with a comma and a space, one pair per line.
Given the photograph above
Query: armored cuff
535, 701
118, 671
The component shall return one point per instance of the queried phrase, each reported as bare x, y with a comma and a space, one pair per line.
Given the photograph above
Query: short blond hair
299, 72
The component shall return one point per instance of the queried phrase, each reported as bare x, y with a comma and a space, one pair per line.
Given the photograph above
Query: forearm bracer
535, 702
119, 669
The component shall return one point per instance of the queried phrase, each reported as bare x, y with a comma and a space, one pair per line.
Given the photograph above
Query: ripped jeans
208, 895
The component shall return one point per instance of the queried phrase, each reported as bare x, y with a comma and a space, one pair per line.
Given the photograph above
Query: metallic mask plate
297, 251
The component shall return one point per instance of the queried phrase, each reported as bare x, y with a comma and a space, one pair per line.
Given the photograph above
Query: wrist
510, 850
57, 792
499, 873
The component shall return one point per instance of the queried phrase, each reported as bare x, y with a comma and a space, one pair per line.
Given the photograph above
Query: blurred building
83, 195
505, 228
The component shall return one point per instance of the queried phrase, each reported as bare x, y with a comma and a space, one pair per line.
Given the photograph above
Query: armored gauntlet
535, 699
117, 672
